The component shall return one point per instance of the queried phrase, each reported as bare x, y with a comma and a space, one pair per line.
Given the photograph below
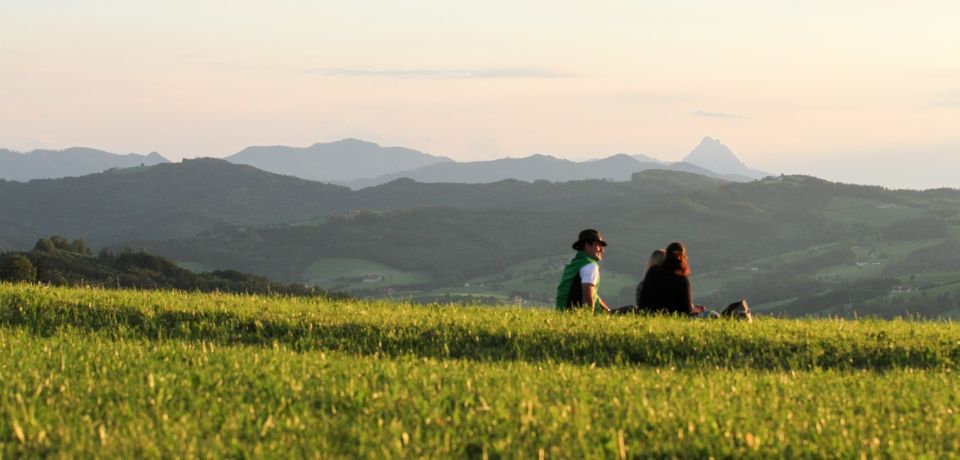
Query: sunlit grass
165, 374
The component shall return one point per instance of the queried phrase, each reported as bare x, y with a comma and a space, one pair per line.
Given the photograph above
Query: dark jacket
665, 292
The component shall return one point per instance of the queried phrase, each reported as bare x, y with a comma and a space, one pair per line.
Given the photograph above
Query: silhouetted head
656, 259
676, 260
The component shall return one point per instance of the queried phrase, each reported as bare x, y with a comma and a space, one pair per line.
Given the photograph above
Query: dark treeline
59, 261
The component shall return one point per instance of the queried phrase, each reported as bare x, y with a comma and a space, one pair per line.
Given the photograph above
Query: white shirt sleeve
590, 274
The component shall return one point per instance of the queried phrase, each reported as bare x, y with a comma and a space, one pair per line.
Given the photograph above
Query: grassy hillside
131, 374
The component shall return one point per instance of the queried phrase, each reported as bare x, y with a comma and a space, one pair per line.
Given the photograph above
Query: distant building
901, 290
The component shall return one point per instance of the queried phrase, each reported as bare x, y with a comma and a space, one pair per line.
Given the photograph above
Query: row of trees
59, 261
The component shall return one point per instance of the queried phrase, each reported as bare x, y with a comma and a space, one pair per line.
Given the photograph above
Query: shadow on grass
446, 341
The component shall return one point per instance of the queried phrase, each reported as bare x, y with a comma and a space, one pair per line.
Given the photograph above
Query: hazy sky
861, 91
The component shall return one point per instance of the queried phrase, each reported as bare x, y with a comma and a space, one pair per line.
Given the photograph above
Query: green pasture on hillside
347, 274
848, 210
873, 257
942, 278
706, 283
132, 374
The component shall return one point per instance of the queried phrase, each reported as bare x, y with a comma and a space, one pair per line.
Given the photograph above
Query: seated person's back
655, 260
666, 287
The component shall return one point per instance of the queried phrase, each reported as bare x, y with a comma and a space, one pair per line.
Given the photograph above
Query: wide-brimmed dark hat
587, 236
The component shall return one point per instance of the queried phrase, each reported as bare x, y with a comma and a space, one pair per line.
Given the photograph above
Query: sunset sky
860, 91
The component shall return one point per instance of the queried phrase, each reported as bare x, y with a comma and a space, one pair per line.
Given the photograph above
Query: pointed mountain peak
157, 157
713, 155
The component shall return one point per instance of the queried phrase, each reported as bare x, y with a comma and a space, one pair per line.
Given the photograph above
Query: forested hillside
791, 244
164, 201
61, 262
206, 196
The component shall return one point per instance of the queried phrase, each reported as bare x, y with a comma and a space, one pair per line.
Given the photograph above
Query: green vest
570, 290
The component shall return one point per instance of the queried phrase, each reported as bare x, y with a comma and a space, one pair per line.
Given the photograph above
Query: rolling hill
787, 243
790, 244
163, 201
183, 200
730, 223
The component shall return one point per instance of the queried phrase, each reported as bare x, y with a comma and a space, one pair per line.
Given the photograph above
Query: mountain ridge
536, 167
70, 162
338, 161
357, 163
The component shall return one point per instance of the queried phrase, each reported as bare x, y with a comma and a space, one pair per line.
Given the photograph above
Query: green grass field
130, 374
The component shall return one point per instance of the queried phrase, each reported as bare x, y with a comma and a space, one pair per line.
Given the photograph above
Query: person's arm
588, 291
688, 297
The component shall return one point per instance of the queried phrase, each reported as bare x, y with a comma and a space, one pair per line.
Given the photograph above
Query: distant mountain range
72, 162
539, 167
710, 158
335, 161
360, 164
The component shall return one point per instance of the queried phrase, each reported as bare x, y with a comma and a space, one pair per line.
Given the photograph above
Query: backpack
738, 310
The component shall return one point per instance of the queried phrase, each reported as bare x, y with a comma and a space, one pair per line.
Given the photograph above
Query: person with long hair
654, 261
666, 287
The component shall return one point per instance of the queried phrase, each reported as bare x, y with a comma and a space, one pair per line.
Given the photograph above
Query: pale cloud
441, 74
645, 98
705, 114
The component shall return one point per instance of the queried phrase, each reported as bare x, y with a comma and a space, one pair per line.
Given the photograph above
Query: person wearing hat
580, 283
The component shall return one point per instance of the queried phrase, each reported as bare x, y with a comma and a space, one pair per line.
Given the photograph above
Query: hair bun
675, 248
